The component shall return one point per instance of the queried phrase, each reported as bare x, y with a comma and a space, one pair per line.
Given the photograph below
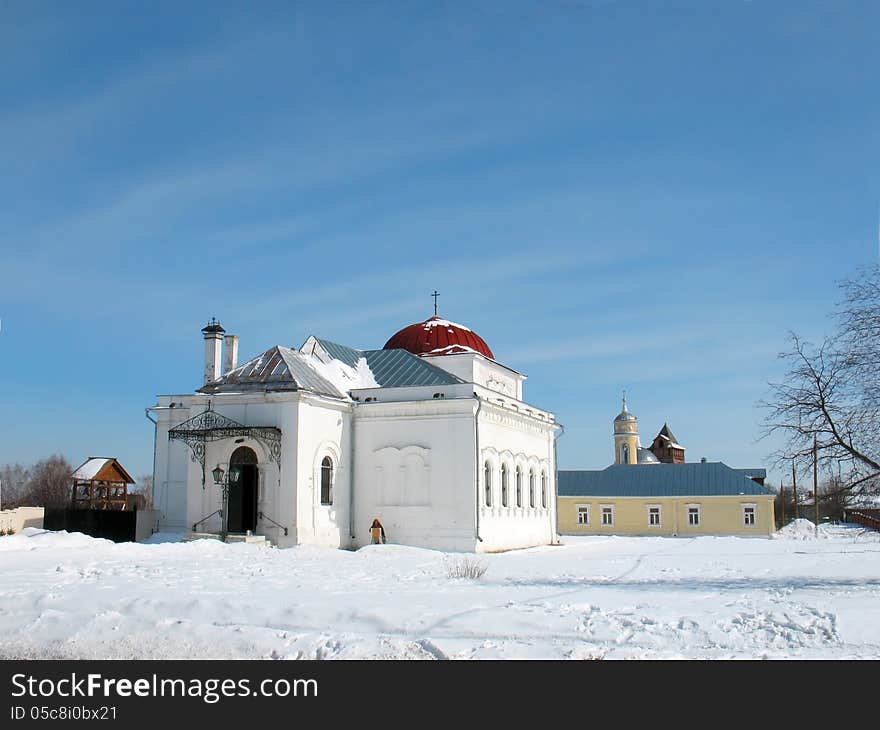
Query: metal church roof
278, 368
646, 456
438, 335
283, 368
698, 479
345, 354
400, 369
392, 368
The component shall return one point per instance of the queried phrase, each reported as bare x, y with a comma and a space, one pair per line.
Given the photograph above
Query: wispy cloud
597, 346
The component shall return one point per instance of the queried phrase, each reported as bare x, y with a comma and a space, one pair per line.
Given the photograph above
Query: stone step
249, 539
260, 540
189, 537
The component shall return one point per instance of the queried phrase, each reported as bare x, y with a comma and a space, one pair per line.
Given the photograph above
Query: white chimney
230, 353
213, 333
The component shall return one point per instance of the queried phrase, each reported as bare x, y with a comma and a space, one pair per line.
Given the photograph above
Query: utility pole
782, 503
816, 483
794, 491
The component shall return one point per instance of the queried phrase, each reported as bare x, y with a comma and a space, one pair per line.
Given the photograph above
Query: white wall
17, 519
516, 440
286, 495
172, 466
324, 431
146, 521
474, 368
415, 472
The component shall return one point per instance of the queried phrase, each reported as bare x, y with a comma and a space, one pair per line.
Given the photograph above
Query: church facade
430, 435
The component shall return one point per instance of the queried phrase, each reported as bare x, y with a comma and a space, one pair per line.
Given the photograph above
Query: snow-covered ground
70, 596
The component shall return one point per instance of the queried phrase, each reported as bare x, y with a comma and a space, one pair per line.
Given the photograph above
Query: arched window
532, 488
519, 486
624, 454
487, 481
543, 490
327, 481
504, 501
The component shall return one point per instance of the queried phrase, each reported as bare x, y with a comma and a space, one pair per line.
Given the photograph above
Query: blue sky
637, 195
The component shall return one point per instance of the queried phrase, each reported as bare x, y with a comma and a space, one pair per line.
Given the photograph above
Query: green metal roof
698, 479
348, 355
400, 369
392, 368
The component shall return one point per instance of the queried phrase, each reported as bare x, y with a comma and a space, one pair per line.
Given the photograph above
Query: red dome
437, 336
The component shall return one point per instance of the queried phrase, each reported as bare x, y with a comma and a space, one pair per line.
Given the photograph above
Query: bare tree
13, 482
829, 394
834, 498
50, 483
142, 496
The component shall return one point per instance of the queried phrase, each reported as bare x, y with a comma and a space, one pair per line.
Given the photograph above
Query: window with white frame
583, 512
543, 490
487, 482
749, 515
654, 515
693, 515
607, 514
504, 501
532, 488
519, 486
327, 480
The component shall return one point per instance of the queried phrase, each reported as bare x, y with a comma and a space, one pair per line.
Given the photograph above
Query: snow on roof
453, 350
444, 323
332, 370
92, 466
344, 377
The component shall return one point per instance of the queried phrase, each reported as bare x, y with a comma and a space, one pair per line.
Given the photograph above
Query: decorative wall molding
403, 476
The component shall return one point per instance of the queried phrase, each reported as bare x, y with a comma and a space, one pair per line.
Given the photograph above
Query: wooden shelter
100, 483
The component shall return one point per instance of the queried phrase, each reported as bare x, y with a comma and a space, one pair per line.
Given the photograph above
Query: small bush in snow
466, 567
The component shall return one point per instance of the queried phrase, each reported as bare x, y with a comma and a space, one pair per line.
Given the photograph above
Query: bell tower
626, 436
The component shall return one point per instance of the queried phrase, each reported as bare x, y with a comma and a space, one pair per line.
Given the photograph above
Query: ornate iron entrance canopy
212, 426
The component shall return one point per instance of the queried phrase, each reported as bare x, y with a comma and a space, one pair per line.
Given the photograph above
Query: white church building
430, 435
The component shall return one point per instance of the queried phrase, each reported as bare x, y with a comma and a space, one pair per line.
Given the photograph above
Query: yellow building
640, 495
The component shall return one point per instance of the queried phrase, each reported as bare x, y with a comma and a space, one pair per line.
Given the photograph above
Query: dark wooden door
242, 499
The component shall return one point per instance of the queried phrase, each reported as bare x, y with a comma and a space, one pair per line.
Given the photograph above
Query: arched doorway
242, 500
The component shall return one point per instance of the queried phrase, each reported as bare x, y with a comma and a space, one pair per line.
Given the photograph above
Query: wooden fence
863, 518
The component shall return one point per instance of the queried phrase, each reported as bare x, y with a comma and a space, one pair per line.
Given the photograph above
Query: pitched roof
348, 355
283, 368
278, 368
666, 434
400, 369
102, 468
696, 479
